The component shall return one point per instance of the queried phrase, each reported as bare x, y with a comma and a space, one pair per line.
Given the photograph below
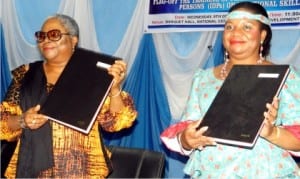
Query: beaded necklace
224, 72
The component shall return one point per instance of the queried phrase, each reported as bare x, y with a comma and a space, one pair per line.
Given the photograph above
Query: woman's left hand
270, 118
34, 120
118, 71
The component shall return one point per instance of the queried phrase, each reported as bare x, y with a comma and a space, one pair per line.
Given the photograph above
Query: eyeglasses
53, 35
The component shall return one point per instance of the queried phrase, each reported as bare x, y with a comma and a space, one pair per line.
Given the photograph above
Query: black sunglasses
53, 35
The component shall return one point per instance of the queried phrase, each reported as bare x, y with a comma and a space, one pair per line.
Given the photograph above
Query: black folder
235, 117
80, 91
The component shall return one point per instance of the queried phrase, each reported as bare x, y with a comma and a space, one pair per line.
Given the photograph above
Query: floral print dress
265, 160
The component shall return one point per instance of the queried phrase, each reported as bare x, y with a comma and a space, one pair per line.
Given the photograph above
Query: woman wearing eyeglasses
45, 148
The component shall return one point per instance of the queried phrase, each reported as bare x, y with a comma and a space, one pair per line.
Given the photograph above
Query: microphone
210, 48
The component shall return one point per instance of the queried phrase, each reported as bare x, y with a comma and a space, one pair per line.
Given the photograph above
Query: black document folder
235, 116
80, 91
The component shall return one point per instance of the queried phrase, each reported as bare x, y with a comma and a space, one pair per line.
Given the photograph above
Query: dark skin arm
190, 138
33, 120
278, 135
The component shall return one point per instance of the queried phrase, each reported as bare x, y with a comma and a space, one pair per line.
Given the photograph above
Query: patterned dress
265, 160
76, 155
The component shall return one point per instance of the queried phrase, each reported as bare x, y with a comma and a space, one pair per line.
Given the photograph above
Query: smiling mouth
236, 42
47, 48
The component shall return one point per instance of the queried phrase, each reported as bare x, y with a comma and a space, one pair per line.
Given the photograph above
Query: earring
223, 72
261, 58
226, 57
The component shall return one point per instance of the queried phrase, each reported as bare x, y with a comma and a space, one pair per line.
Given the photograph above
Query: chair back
136, 163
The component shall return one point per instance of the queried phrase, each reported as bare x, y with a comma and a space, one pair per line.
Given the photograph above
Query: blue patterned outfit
265, 160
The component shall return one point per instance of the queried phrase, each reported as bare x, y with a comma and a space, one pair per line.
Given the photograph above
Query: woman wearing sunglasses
49, 149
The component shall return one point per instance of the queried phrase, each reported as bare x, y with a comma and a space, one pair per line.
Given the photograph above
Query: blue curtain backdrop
160, 65
145, 84
216, 53
5, 72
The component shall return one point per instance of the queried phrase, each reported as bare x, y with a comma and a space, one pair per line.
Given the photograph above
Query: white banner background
209, 15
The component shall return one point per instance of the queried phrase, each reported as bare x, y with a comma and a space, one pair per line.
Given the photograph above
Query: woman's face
242, 38
60, 50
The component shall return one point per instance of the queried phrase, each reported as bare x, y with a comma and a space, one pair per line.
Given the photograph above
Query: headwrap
248, 15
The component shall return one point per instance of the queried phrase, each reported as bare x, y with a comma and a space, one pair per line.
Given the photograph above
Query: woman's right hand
191, 138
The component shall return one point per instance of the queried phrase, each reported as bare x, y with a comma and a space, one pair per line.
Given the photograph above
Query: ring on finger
33, 121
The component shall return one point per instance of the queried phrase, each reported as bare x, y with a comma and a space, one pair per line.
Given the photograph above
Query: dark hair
256, 8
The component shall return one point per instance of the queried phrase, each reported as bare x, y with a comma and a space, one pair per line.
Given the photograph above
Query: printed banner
209, 15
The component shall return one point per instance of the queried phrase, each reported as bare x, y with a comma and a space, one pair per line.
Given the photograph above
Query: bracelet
183, 150
117, 94
276, 136
277, 132
21, 121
